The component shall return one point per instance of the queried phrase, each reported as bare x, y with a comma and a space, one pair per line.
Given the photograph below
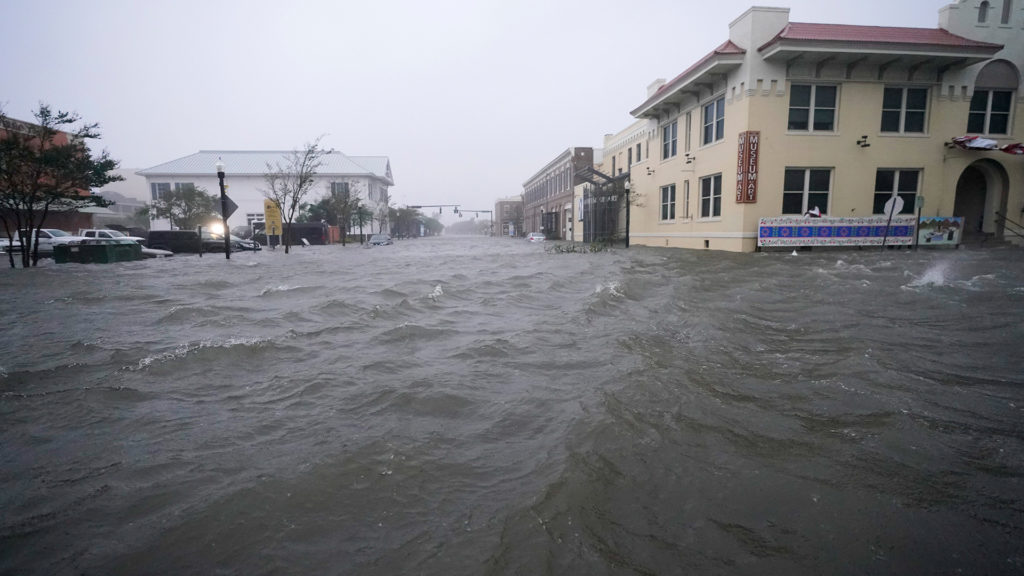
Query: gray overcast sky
468, 99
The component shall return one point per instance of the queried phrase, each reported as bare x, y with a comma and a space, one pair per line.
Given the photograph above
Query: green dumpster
97, 252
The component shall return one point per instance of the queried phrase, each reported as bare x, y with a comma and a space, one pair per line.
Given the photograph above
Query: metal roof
254, 163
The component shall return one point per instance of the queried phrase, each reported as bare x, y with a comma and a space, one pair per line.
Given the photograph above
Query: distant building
367, 177
508, 212
548, 194
128, 197
786, 117
57, 216
133, 187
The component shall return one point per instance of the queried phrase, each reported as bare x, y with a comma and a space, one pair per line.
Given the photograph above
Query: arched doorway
981, 195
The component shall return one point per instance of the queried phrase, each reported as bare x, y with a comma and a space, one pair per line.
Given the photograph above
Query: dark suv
189, 241
175, 240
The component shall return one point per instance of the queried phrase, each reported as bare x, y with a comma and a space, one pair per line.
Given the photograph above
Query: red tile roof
875, 34
726, 47
840, 33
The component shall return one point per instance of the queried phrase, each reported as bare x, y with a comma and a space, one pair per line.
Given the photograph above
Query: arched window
993, 95
983, 12
1007, 9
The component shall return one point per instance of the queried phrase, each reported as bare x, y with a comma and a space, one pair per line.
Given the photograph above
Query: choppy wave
453, 406
190, 348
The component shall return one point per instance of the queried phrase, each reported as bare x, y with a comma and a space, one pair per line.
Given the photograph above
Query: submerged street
487, 406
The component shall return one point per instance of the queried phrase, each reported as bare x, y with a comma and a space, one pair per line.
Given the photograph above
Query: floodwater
488, 406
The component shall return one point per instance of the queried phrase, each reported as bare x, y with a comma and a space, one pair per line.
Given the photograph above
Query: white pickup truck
103, 233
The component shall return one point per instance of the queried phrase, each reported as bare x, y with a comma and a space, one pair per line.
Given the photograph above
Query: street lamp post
224, 210
629, 186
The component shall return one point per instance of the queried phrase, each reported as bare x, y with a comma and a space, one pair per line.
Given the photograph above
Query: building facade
508, 213
366, 177
548, 194
786, 118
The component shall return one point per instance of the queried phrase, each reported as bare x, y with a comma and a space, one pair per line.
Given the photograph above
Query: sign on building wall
803, 231
746, 166
940, 231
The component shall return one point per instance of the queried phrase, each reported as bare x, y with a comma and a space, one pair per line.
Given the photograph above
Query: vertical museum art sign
746, 166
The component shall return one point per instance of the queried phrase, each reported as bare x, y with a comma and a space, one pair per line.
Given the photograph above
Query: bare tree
289, 181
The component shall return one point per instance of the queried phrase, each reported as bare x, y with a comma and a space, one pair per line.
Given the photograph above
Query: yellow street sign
272, 215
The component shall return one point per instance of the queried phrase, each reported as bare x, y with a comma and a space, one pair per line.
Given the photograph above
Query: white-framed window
983, 12
812, 108
159, 189
904, 110
711, 196
183, 186
668, 202
686, 199
1007, 12
714, 121
904, 182
804, 189
990, 112
638, 150
669, 140
339, 188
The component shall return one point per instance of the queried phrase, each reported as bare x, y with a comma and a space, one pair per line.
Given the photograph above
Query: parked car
103, 233
47, 239
535, 237
380, 240
174, 240
190, 241
215, 243
10, 245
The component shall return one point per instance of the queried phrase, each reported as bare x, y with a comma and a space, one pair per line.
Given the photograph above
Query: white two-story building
365, 177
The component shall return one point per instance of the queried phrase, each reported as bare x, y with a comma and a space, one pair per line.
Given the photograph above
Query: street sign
893, 206
229, 207
272, 217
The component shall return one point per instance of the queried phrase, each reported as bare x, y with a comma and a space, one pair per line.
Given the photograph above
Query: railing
1011, 226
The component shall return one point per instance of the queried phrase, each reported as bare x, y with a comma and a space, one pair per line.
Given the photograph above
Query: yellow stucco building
785, 119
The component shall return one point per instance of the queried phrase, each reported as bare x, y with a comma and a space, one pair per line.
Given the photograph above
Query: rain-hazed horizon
468, 100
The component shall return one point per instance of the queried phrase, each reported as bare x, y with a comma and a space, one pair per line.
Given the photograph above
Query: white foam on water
184, 350
935, 275
842, 265
281, 288
611, 288
437, 293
